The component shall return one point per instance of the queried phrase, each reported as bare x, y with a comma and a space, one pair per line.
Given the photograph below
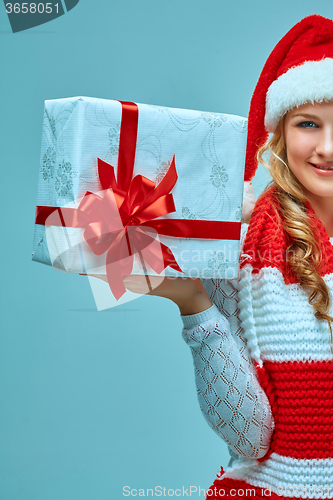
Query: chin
320, 192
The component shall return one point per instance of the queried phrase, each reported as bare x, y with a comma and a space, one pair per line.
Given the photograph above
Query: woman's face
309, 140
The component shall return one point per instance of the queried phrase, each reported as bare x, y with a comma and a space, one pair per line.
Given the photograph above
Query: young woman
262, 345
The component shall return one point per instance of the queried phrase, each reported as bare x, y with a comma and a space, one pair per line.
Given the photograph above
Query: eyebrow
306, 115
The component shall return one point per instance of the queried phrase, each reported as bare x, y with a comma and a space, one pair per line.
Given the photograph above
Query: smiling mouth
322, 167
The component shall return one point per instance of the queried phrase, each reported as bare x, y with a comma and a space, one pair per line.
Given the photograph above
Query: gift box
133, 188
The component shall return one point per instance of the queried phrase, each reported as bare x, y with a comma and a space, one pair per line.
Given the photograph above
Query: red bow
118, 223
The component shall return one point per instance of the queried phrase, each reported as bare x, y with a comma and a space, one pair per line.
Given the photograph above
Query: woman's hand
188, 293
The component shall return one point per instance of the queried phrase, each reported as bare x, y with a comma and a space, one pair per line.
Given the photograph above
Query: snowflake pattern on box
187, 214
216, 120
63, 181
218, 263
213, 120
238, 214
219, 176
48, 164
114, 133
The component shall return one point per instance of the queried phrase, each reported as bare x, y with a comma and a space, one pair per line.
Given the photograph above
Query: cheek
299, 148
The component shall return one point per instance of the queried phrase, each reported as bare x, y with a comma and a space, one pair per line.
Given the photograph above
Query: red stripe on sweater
233, 489
301, 396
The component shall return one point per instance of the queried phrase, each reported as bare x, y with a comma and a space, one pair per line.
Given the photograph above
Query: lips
322, 170
321, 166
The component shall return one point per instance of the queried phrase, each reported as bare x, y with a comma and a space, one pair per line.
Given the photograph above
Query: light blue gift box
209, 151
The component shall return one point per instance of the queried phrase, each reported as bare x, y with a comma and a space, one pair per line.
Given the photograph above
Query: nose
325, 143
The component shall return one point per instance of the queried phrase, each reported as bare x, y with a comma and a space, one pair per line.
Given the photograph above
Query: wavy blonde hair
303, 254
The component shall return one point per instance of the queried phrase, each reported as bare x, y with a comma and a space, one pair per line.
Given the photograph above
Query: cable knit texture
274, 328
229, 394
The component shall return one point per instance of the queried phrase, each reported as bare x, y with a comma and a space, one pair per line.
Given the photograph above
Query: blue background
94, 401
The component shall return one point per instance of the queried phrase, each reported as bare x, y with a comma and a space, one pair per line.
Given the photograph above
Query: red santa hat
299, 70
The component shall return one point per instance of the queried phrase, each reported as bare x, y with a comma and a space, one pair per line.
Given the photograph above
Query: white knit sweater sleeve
229, 394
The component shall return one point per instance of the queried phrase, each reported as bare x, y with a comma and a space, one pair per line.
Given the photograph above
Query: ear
249, 201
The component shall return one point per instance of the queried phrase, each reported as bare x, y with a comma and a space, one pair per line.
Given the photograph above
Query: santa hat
299, 70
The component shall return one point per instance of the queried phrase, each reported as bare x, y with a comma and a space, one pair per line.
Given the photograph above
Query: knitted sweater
268, 327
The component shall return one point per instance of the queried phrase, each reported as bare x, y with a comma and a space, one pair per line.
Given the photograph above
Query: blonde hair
303, 254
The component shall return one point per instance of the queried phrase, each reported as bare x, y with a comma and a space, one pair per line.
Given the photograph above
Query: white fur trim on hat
310, 82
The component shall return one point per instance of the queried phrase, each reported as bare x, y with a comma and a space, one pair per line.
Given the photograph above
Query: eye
307, 124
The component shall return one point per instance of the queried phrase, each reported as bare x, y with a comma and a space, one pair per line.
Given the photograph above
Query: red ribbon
119, 223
